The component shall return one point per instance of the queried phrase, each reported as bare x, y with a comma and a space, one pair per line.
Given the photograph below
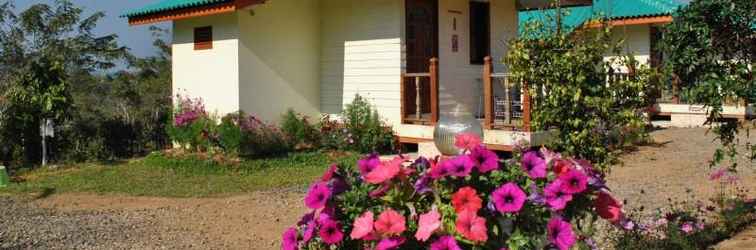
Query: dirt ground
676, 164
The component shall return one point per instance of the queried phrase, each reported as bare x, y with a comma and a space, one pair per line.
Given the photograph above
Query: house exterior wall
361, 54
212, 75
279, 55
637, 40
504, 23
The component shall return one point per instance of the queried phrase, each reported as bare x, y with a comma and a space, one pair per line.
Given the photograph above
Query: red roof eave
206, 10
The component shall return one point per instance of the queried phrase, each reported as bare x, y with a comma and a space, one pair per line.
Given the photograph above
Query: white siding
280, 56
637, 40
212, 75
503, 29
361, 54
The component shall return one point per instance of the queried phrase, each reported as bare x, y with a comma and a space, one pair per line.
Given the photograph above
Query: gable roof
169, 5
575, 17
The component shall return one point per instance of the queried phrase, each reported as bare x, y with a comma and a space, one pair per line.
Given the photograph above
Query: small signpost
46, 128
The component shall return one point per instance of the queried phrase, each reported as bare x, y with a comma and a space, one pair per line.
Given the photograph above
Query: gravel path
254, 221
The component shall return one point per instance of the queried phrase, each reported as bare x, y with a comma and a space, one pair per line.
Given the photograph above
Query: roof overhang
544, 4
631, 21
198, 11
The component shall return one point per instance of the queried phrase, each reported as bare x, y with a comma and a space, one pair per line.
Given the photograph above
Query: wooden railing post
487, 94
418, 100
525, 106
434, 89
403, 102
676, 89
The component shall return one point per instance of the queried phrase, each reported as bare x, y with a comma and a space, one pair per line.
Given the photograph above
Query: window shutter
203, 38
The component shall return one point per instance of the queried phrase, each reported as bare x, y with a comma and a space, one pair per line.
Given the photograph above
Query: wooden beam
632, 21
487, 94
206, 10
434, 89
526, 108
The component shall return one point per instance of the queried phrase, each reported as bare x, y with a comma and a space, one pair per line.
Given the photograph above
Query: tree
40, 49
709, 49
567, 79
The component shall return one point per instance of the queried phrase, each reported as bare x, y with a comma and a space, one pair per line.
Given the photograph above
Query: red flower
466, 199
607, 207
561, 166
471, 226
467, 141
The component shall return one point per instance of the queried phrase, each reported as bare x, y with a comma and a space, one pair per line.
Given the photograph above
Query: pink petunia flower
429, 223
716, 175
385, 171
330, 232
534, 165
607, 207
367, 164
309, 231
289, 241
363, 226
555, 195
471, 226
459, 166
328, 175
466, 198
317, 196
508, 198
573, 181
390, 222
549, 155
390, 243
446, 242
485, 160
467, 141
438, 171
687, 227
560, 233
561, 166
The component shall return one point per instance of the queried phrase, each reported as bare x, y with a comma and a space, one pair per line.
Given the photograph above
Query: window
203, 38
656, 55
480, 37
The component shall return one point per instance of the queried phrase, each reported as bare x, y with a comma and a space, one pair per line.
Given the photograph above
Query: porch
672, 110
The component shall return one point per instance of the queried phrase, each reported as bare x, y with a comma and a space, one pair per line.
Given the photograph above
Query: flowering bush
361, 129
473, 200
191, 126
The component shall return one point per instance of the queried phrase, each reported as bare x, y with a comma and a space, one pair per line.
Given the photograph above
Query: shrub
299, 131
191, 126
230, 134
260, 138
361, 129
473, 201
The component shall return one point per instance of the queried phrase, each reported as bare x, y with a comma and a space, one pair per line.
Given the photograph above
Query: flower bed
474, 200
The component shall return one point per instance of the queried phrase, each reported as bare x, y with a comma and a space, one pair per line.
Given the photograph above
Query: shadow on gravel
46, 192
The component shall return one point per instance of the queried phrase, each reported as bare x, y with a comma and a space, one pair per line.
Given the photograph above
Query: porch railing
509, 108
419, 97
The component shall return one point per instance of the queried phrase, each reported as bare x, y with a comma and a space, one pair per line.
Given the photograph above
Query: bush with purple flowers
472, 201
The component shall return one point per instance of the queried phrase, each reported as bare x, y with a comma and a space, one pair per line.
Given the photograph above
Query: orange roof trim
199, 11
633, 21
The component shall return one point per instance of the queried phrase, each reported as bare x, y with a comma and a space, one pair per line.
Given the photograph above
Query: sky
138, 38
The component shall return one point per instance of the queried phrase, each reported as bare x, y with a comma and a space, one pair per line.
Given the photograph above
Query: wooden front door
422, 45
421, 34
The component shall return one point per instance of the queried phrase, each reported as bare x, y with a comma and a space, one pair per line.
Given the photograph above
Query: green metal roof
169, 5
611, 9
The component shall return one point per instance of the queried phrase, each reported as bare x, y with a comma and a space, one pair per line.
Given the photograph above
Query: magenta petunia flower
390, 243
467, 141
573, 181
445, 243
439, 170
534, 165
555, 195
367, 164
309, 231
508, 198
289, 241
317, 196
560, 233
459, 166
328, 175
330, 232
485, 160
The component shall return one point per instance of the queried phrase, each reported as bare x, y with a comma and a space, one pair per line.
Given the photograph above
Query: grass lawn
157, 175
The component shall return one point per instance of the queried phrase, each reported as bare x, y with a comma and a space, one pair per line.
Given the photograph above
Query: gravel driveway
674, 168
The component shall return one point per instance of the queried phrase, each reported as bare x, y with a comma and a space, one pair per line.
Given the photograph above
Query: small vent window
203, 38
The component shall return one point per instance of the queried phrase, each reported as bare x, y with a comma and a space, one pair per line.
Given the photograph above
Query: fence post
525, 106
434, 89
488, 94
